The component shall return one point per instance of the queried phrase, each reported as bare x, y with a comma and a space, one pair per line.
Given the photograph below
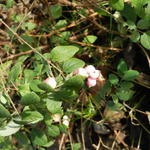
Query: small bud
82, 72
66, 120
51, 82
91, 82
95, 74
90, 69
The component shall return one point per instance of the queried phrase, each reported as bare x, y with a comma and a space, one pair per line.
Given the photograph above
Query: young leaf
122, 66
53, 131
72, 64
90, 39
145, 40
4, 113
30, 98
130, 75
63, 53
113, 79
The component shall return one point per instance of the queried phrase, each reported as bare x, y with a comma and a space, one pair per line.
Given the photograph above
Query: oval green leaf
9, 129
30, 98
113, 79
145, 40
72, 64
130, 75
63, 53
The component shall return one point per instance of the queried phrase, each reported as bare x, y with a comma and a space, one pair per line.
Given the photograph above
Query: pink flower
95, 74
51, 82
82, 72
91, 82
90, 68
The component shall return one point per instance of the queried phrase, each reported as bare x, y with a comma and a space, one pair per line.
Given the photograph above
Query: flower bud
95, 74
82, 72
91, 82
66, 120
90, 68
51, 82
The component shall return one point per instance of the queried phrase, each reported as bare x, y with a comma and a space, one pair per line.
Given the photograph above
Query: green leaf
145, 40
65, 94
22, 138
45, 87
72, 65
24, 89
117, 4
4, 113
54, 106
56, 11
122, 66
114, 106
127, 11
135, 36
34, 86
130, 75
113, 79
90, 39
126, 85
38, 137
76, 146
53, 131
125, 94
30, 98
28, 26
28, 75
60, 24
9, 3
30, 117
9, 129
63, 53
75, 82
143, 24
15, 71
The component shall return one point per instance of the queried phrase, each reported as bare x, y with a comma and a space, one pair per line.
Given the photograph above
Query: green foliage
90, 39
54, 106
10, 128
56, 11
27, 115
53, 130
4, 112
117, 4
145, 40
72, 65
30, 98
63, 53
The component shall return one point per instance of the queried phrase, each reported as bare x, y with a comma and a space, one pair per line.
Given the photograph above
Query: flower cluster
91, 74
